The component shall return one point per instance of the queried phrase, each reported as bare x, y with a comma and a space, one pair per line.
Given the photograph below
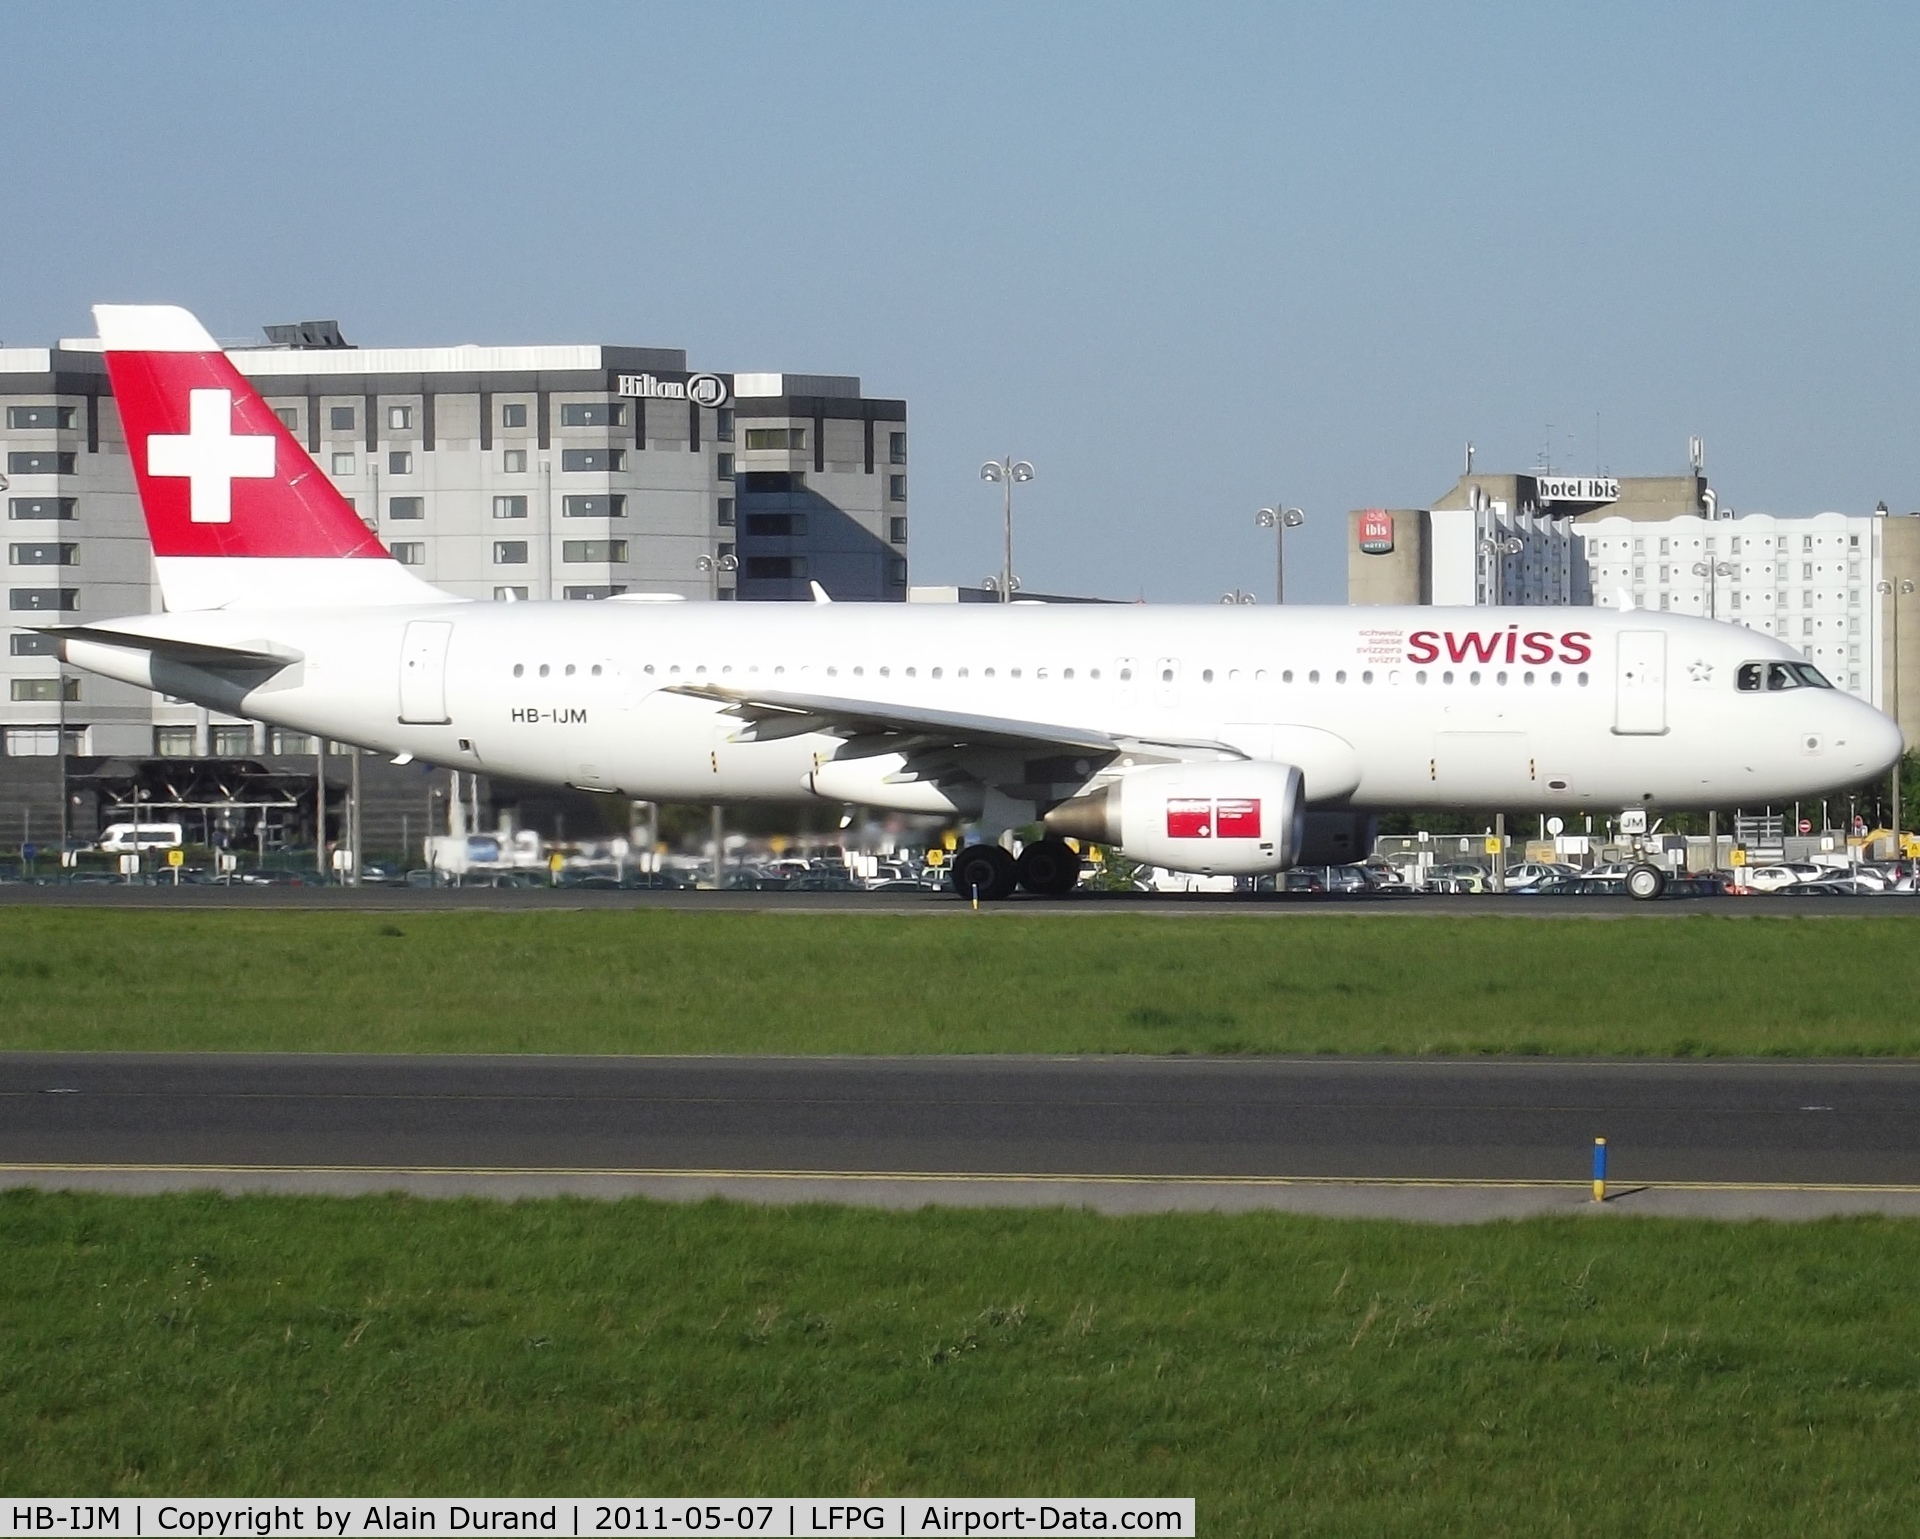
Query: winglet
819, 594
1623, 599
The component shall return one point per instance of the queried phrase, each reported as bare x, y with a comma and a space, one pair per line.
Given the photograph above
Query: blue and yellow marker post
1599, 1170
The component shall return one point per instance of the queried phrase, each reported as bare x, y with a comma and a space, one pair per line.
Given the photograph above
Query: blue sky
1186, 259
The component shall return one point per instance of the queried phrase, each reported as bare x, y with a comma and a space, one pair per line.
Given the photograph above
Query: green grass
1571, 1376
653, 981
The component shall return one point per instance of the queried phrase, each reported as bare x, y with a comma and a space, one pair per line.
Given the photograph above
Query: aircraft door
1640, 684
423, 672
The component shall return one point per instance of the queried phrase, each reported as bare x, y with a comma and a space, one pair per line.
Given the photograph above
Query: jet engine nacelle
1243, 817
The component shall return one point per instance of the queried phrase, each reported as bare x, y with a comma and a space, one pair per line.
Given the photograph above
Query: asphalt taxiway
1438, 1139
215, 896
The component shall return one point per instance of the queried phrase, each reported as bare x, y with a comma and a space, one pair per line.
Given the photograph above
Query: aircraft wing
872, 727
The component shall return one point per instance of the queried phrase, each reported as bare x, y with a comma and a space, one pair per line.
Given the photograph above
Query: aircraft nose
1878, 739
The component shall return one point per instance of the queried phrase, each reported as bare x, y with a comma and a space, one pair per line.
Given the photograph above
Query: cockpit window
1774, 676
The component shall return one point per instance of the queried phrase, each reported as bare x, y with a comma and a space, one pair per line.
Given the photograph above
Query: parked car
1530, 873
1773, 878
1458, 876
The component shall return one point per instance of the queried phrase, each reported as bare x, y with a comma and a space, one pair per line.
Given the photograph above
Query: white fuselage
1378, 707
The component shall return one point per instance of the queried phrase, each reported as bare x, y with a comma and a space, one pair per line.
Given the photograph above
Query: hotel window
509, 507
232, 742
61, 553
409, 552
510, 595
343, 464
513, 461
340, 419
726, 512
593, 459
32, 644
593, 414
897, 571
41, 507
723, 425
281, 741
289, 417
725, 467
578, 551
897, 448
777, 438
400, 417
34, 463
513, 414
594, 507
776, 568
43, 599
173, 742
897, 531
39, 416
399, 463
406, 507
45, 690
896, 488
510, 552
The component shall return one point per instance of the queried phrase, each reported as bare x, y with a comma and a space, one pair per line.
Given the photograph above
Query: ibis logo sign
1376, 532
1591, 490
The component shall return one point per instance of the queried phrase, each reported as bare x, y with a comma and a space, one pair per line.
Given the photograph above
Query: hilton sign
701, 389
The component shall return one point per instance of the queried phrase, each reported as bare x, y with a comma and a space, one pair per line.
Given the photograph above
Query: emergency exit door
1640, 684
423, 671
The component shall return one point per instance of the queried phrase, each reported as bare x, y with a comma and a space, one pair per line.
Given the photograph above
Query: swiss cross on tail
209, 455
219, 474
239, 515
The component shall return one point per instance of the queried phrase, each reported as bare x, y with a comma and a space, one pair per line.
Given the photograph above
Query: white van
122, 839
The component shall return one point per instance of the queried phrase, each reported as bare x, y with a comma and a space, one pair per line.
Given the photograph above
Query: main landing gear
1048, 868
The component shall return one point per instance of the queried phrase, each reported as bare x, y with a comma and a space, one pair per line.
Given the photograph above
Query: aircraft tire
1646, 883
984, 870
1049, 868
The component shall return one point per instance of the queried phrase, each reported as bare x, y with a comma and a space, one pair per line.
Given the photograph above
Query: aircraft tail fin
239, 514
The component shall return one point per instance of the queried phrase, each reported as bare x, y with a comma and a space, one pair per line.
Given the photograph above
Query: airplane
1211, 739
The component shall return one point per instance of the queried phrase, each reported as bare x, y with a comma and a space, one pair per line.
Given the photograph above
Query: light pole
1713, 571
1495, 552
1279, 518
716, 565
1895, 592
1007, 472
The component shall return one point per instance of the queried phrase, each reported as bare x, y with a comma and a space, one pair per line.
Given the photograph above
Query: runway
1410, 1138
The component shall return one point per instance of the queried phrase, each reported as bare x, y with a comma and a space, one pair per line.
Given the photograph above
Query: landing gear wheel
983, 870
1646, 883
1049, 868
